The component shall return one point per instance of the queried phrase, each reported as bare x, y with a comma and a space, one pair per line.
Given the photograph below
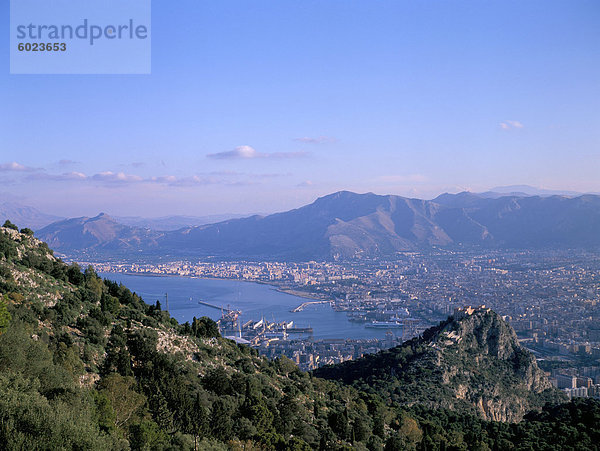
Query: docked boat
384, 325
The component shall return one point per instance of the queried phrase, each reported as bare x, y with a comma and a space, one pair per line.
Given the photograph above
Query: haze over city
266, 107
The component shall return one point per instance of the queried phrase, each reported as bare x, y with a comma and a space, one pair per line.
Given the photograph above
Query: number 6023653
42, 47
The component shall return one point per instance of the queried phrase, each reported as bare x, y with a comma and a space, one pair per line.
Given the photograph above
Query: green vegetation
10, 225
86, 364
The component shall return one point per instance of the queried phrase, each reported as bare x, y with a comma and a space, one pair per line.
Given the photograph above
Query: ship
384, 325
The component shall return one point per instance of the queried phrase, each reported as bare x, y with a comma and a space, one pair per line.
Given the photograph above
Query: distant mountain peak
103, 216
344, 194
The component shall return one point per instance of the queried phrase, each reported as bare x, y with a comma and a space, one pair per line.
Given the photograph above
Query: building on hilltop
463, 312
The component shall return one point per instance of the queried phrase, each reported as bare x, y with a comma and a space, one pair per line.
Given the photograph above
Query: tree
109, 303
205, 328
4, 315
410, 432
285, 365
360, 429
147, 435
27, 231
261, 416
10, 225
93, 283
68, 357
338, 421
197, 422
288, 415
217, 381
117, 358
125, 402
75, 275
104, 414
160, 411
221, 424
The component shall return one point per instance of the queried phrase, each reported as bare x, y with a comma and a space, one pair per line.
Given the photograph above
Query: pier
300, 330
228, 310
306, 304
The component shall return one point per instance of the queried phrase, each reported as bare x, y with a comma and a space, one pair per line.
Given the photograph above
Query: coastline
290, 291
300, 294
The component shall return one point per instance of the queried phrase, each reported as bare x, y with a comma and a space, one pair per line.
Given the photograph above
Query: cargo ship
384, 325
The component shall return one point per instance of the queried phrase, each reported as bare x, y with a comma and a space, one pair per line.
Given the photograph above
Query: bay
255, 300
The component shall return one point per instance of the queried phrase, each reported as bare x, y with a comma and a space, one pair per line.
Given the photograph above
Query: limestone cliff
482, 363
470, 362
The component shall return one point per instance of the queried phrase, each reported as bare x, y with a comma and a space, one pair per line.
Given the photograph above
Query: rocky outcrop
482, 363
471, 362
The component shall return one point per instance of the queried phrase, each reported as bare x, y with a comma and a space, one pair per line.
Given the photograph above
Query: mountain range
27, 216
349, 225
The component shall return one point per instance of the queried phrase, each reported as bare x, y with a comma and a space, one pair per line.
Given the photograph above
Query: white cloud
305, 184
248, 153
15, 167
240, 152
163, 179
116, 177
508, 125
75, 175
66, 177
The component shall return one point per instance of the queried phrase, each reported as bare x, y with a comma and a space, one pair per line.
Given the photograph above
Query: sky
264, 106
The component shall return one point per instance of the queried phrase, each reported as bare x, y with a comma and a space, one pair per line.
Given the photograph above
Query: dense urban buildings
549, 297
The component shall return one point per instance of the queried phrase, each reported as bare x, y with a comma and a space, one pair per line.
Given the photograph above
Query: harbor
238, 306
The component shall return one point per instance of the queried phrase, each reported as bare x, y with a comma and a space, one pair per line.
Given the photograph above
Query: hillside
110, 372
86, 364
348, 225
470, 363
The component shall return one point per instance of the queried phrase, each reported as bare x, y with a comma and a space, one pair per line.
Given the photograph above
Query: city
551, 299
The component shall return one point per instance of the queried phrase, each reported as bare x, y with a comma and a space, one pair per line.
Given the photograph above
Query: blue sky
263, 106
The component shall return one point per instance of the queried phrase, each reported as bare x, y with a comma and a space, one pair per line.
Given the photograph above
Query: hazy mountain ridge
26, 216
348, 225
174, 222
528, 190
